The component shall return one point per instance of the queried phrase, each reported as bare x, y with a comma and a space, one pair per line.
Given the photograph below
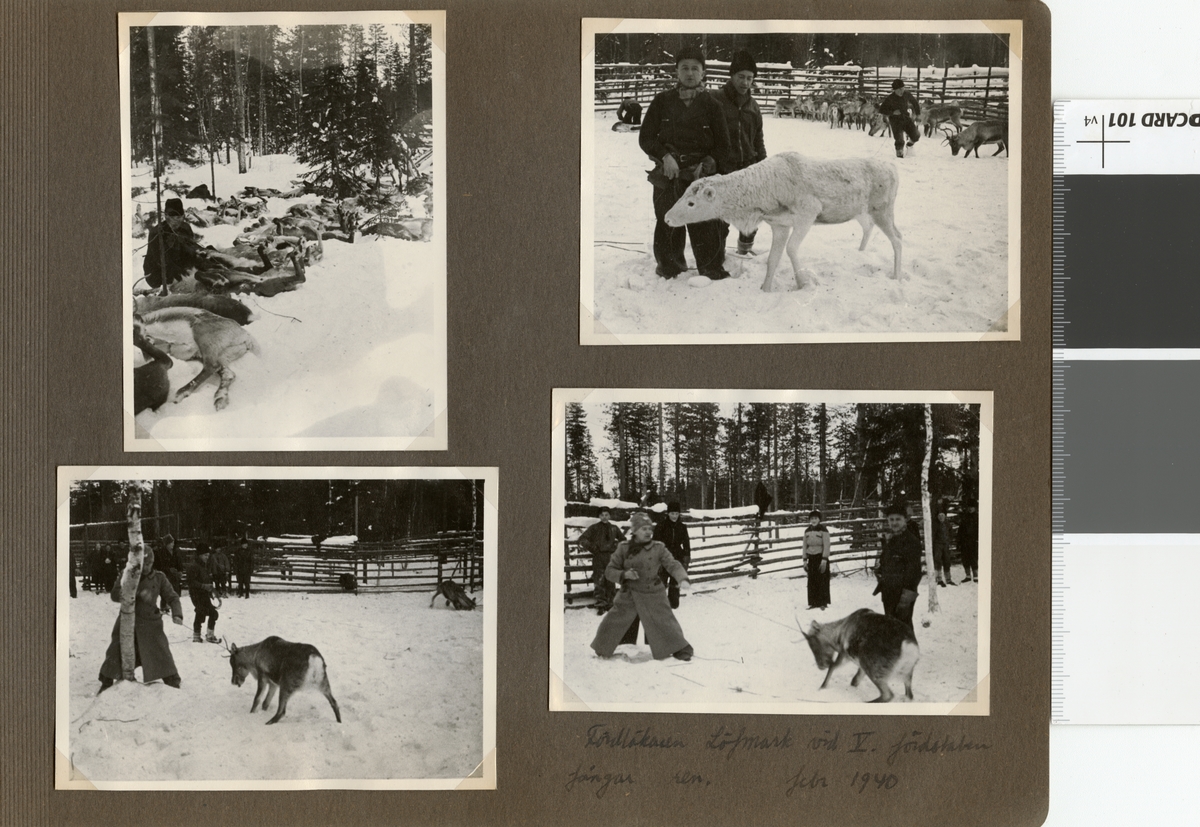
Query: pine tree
583, 475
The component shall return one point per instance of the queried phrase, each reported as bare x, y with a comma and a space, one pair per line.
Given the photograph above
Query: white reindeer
791, 193
198, 335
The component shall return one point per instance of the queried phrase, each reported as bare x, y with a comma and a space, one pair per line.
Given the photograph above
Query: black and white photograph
883, 157
284, 231
224, 628
771, 552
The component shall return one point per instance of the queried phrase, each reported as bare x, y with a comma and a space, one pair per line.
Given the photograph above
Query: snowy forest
372, 510
347, 99
811, 50
711, 455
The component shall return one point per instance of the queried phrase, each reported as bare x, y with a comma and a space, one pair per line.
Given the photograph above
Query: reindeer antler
229, 648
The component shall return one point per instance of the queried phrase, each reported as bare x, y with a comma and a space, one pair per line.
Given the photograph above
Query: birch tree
131, 576
926, 511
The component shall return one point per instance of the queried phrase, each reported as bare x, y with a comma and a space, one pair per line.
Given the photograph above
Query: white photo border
563, 699
588, 324
435, 437
484, 775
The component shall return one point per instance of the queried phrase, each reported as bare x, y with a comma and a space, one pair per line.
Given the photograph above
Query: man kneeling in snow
635, 566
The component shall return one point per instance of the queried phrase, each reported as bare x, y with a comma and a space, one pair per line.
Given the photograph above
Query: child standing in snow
685, 133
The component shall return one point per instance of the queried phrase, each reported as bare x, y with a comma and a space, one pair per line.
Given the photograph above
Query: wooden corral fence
747, 547
981, 91
416, 564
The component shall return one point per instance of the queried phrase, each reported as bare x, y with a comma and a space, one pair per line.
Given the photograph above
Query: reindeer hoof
221, 403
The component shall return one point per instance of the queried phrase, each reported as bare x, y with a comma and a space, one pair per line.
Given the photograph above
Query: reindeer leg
883, 217
836, 662
258, 694
1000, 147
885, 691
800, 228
868, 224
190, 388
779, 237
221, 397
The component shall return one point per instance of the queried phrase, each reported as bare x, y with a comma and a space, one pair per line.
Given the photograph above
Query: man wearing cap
200, 589
900, 108
686, 135
816, 561
745, 123
600, 540
673, 534
898, 569
635, 565
172, 248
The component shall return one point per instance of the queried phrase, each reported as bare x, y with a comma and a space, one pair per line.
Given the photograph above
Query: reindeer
978, 134
932, 117
151, 387
785, 106
194, 334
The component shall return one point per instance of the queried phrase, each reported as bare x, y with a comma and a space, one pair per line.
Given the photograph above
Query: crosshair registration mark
1103, 142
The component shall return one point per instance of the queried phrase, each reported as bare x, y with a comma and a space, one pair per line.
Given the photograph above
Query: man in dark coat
900, 108
635, 565
153, 652
600, 540
630, 112
673, 534
172, 249
243, 567
685, 134
745, 123
968, 541
201, 589
899, 567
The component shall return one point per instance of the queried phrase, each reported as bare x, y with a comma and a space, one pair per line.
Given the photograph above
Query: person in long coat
968, 541
816, 561
600, 540
635, 566
153, 652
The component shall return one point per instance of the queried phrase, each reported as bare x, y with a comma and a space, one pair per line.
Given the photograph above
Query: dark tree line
805, 454
383, 510
812, 51
348, 99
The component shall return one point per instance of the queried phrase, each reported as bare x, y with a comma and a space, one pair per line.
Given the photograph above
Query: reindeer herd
862, 113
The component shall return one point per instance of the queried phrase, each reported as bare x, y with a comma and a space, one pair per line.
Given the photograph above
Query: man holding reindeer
686, 135
745, 123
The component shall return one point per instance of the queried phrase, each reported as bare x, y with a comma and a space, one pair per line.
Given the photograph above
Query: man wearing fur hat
635, 565
686, 135
745, 123
899, 567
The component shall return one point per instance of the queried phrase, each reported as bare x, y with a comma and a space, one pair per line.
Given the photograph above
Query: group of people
690, 133
651, 569
158, 594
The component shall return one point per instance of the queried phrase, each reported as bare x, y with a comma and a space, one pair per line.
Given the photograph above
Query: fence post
945, 75
987, 89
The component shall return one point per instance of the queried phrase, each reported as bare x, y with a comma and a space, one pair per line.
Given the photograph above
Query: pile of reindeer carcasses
200, 320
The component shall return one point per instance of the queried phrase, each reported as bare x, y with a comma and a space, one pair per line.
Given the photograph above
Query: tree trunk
662, 437
240, 92
823, 422
130, 578
926, 511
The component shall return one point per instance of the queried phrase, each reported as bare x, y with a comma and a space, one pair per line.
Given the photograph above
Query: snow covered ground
751, 658
357, 353
408, 678
953, 213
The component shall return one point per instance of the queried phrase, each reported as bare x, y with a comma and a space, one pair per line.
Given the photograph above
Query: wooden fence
983, 92
746, 547
417, 564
